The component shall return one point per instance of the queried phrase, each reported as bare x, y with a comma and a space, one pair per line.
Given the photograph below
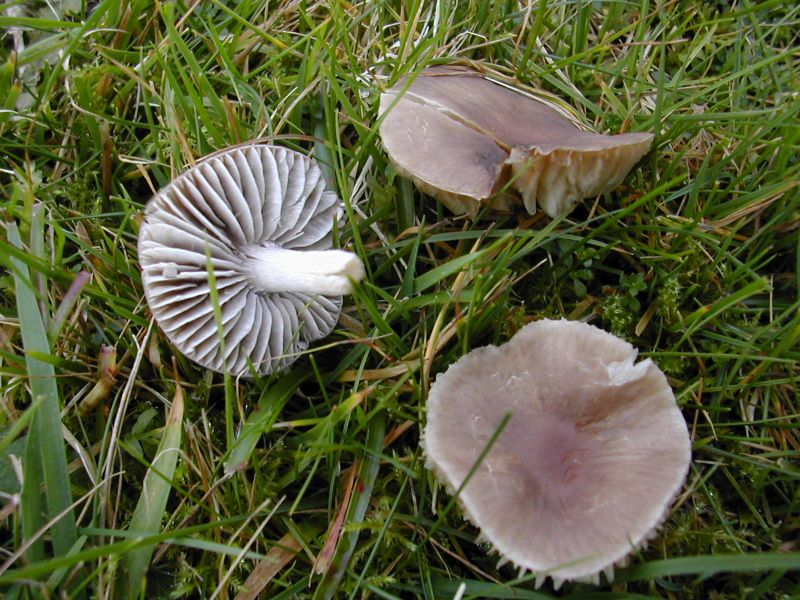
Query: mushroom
466, 139
259, 218
588, 463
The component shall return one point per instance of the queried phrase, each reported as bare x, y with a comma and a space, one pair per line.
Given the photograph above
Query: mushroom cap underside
211, 218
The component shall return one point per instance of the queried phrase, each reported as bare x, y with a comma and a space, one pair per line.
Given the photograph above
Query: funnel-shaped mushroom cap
259, 217
461, 137
589, 461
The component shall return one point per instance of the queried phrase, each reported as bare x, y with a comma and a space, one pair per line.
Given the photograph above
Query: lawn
126, 470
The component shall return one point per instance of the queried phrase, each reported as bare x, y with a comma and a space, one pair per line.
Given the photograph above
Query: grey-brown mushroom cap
463, 138
222, 214
593, 454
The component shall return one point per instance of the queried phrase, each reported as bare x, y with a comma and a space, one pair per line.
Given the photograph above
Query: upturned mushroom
586, 468
258, 219
466, 140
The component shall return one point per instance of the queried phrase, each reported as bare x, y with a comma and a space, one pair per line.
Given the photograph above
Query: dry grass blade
359, 501
280, 555
325, 556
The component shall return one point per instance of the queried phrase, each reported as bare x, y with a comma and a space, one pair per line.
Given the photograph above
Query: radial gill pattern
209, 220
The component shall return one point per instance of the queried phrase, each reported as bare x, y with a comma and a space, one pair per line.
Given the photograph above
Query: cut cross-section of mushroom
592, 455
259, 218
464, 138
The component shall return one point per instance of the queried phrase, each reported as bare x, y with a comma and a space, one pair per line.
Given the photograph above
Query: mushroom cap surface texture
464, 138
255, 215
592, 456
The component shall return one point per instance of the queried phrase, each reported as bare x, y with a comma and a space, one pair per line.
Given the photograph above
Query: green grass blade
358, 509
152, 503
706, 566
33, 517
426, 280
261, 419
33, 23
130, 542
19, 425
446, 588
45, 440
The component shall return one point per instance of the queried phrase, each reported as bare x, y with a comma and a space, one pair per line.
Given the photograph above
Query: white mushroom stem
271, 268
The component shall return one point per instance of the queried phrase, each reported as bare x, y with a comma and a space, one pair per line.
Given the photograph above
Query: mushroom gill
260, 219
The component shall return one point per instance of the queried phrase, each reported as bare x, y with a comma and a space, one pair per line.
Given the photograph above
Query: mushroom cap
589, 462
463, 138
240, 201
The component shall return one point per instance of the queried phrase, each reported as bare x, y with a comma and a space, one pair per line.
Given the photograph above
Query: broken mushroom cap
592, 455
260, 219
466, 139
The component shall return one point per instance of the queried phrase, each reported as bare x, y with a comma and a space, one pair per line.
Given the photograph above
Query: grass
311, 483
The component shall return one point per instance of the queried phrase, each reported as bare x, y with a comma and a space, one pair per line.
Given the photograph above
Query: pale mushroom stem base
271, 268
